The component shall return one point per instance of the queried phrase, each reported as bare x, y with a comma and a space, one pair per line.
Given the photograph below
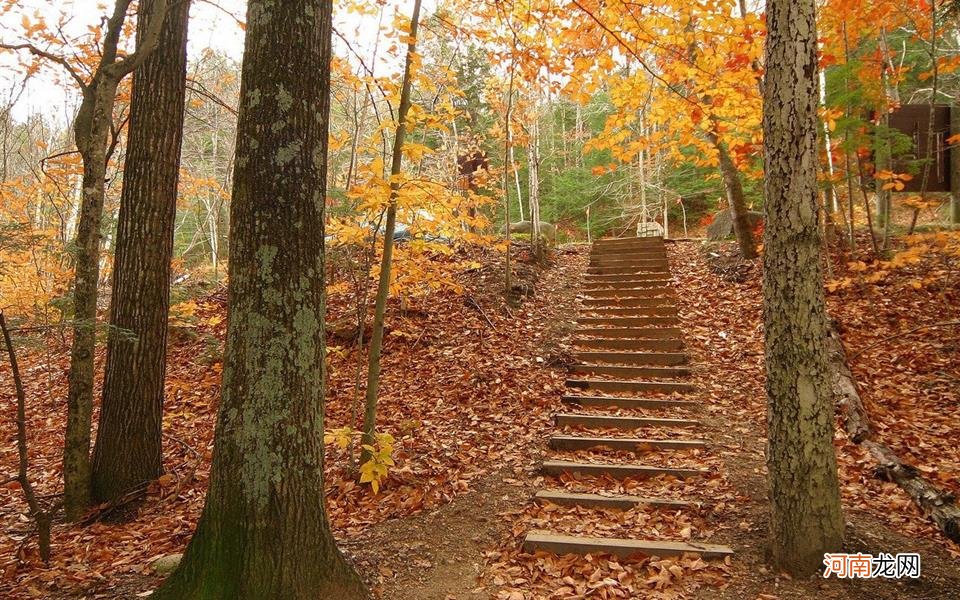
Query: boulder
722, 225
166, 564
547, 230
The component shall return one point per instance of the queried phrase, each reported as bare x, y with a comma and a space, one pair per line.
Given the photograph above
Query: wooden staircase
631, 357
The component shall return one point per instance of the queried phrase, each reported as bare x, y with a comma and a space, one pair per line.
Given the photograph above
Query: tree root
936, 504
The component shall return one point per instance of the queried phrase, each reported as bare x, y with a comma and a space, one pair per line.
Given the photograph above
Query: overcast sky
212, 25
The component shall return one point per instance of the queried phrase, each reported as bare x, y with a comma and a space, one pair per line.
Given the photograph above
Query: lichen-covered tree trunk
264, 531
128, 448
806, 516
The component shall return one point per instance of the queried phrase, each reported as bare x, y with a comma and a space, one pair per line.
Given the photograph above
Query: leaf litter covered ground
469, 401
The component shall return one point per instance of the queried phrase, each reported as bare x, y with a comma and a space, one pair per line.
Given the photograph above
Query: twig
185, 445
473, 303
901, 334
41, 516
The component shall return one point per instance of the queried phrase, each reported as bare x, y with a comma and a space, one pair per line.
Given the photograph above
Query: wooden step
564, 498
619, 260
628, 244
617, 277
629, 239
625, 285
628, 321
614, 402
617, 422
642, 254
617, 471
621, 548
614, 386
612, 295
625, 270
629, 371
666, 310
573, 442
627, 344
632, 333
663, 359
667, 299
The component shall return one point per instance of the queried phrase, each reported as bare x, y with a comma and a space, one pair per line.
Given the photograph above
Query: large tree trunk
806, 515
264, 531
128, 448
735, 197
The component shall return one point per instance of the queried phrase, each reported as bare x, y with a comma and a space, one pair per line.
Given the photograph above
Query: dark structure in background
913, 120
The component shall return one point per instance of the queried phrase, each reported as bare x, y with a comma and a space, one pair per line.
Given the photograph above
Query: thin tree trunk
846, 151
832, 203
128, 450
383, 287
264, 531
533, 193
738, 204
955, 167
516, 181
806, 518
507, 153
931, 114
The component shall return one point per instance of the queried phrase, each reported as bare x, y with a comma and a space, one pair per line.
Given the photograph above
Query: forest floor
469, 388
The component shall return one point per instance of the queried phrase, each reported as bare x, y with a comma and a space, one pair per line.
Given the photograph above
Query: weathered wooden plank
614, 402
665, 310
665, 359
573, 442
618, 422
591, 278
666, 299
619, 260
628, 321
612, 295
617, 471
626, 270
632, 333
600, 385
589, 288
627, 344
622, 548
629, 371
564, 498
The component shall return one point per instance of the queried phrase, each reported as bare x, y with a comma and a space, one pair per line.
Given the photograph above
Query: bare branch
54, 58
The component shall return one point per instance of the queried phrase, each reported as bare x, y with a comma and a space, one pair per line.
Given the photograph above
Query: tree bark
954, 151
805, 499
92, 130
128, 448
735, 197
264, 531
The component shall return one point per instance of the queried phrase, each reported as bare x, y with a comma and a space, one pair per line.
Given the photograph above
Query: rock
649, 229
722, 226
547, 230
166, 564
